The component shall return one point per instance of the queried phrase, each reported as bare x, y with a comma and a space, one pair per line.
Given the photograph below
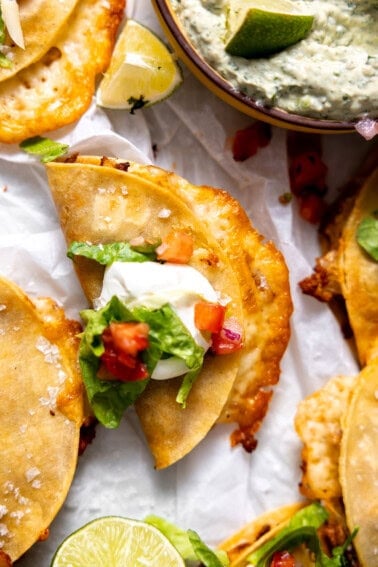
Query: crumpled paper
215, 489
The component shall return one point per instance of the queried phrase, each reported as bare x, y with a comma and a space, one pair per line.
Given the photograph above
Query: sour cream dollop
153, 285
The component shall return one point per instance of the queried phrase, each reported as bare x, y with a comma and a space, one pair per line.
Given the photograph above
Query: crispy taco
338, 427
347, 271
41, 402
337, 524
305, 534
48, 82
185, 263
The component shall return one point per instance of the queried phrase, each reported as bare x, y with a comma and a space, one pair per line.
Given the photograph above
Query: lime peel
142, 71
259, 28
117, 541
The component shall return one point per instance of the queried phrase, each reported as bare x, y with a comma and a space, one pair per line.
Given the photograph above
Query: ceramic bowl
223, 89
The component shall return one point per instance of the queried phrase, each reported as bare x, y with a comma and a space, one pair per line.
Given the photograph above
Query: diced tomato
312, 208
229, 339
307, 171
129, 338
177, 247
282, 559
123, 342
247, 141
209, 316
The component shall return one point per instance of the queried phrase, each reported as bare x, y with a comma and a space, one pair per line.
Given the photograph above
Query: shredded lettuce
302, 528
106, 254
167, 337
46, 149
189, 544
367, 235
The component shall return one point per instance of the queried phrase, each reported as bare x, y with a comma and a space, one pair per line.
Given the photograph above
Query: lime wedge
142, 70
117, 542
258, 28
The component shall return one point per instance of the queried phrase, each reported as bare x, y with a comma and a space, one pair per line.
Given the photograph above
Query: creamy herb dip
332, 73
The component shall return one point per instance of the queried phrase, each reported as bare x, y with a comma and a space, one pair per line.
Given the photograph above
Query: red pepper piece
247, 141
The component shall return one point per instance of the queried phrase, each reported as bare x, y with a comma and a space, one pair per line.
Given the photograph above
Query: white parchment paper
215, 489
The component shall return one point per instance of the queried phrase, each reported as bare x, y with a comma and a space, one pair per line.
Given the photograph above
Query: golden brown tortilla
57, 88
104, 204
41, 21
41, 414
359, 274
359, 464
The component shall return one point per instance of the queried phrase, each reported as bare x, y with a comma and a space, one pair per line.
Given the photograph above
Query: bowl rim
207, 74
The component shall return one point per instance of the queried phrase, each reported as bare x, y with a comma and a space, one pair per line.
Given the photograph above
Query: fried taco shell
359, 274
41, 21
254, 534
345, 275
56, 88
41, 414
264, 285
359, 464
102, 200
338, 426
307, 533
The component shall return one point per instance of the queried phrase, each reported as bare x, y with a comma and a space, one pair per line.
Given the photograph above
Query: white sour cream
152, 285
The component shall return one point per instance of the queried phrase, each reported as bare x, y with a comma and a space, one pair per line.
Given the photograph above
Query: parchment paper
215, 489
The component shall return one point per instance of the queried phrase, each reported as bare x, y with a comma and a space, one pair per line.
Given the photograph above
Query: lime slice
142, 70
258, 28
117, 542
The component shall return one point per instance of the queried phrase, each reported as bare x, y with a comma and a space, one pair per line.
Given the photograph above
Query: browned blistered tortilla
57, 87
359, 464
101, 203
41, 400
359, 274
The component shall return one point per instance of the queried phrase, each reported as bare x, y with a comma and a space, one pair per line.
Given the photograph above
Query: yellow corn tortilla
359, 464
41, 414
100, 203
57, 88
358, 274
41, 21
